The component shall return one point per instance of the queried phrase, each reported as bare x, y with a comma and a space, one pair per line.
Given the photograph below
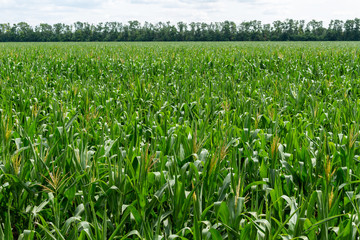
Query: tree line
288, 30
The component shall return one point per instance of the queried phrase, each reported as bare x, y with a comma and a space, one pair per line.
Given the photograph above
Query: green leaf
215, 234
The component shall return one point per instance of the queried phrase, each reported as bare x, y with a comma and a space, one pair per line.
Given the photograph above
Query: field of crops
179, 141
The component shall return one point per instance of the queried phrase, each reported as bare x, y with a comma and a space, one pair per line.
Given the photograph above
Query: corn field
179, 141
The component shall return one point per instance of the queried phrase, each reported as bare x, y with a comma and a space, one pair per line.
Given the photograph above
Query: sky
35, 12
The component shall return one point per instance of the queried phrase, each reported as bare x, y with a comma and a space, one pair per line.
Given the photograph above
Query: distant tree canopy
288, 30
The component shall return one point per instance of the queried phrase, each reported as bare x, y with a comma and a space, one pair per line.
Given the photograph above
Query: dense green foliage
288, 30
179, 140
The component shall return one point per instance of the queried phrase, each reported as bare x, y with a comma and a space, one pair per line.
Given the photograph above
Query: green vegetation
288, 30
179, 140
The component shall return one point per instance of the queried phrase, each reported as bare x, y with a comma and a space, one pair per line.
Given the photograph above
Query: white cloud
94, 11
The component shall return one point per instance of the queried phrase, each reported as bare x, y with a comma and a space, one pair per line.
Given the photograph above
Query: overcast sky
95, 11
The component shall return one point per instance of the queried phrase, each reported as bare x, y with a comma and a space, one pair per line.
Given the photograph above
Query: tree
288, 30
316, 29
182, 28
335, 30
350, 32
24, 32
45, 32
58, 29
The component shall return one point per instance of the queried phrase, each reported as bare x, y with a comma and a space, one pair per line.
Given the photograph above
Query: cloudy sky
95, 11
